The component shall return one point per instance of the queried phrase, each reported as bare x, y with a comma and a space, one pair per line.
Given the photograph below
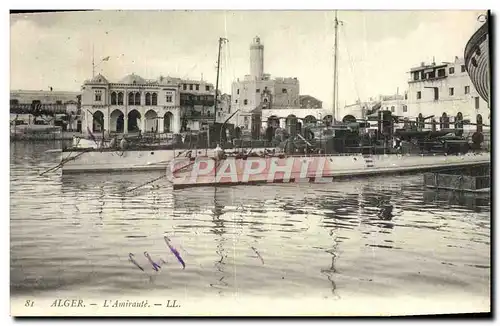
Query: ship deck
352, 173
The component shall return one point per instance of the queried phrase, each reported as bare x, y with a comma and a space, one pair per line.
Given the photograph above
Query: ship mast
335, 64
222, 40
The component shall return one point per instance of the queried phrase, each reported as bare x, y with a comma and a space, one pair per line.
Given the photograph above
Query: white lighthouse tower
257, 59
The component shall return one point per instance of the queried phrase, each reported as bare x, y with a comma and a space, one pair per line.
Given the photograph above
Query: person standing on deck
218, 153
101, 144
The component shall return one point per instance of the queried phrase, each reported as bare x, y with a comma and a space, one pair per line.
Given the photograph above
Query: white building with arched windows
163, 105
130, 105
446, 91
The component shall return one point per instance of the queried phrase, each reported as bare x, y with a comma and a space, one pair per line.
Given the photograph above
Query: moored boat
208, 171
477, 59
142, 158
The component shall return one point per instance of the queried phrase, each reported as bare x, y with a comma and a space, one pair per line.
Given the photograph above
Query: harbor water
377, 237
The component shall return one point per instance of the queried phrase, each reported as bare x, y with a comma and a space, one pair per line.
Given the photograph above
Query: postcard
250, 163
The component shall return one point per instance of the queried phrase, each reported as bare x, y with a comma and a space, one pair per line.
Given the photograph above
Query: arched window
137, 98
154, 99
113, 98
148, 99
245, 101
479, 122
131, 99
120, 98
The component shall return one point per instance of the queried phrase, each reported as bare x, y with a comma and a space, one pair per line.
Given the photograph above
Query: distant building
394, 103
397, 104
163, 105
54, 99
57, 103
446, 91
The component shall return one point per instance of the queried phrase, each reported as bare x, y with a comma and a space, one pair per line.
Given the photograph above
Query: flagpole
95, 65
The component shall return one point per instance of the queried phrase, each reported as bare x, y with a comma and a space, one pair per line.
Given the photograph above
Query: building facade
197, 99
443, 92
133, 104
223, 108
446, 91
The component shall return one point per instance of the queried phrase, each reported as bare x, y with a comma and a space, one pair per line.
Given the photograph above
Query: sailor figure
218, 153
112, 143
123, 144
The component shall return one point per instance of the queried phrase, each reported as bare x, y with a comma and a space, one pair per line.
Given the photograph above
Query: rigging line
160, 177
64, 161
221, 76
365, 43
146, 183
227, 53
227, 72
351, 66
224, 79
228, 46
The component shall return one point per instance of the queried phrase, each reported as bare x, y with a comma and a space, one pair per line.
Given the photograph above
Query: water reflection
219, 229
332, 270
473, 201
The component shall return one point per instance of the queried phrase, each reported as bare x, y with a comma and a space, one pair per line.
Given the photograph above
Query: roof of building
431, 66
132, 79
99, 79
136, 79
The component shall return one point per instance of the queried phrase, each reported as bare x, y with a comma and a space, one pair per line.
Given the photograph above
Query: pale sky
376, 48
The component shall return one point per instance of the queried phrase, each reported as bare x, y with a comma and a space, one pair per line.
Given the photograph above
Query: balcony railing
426, 79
